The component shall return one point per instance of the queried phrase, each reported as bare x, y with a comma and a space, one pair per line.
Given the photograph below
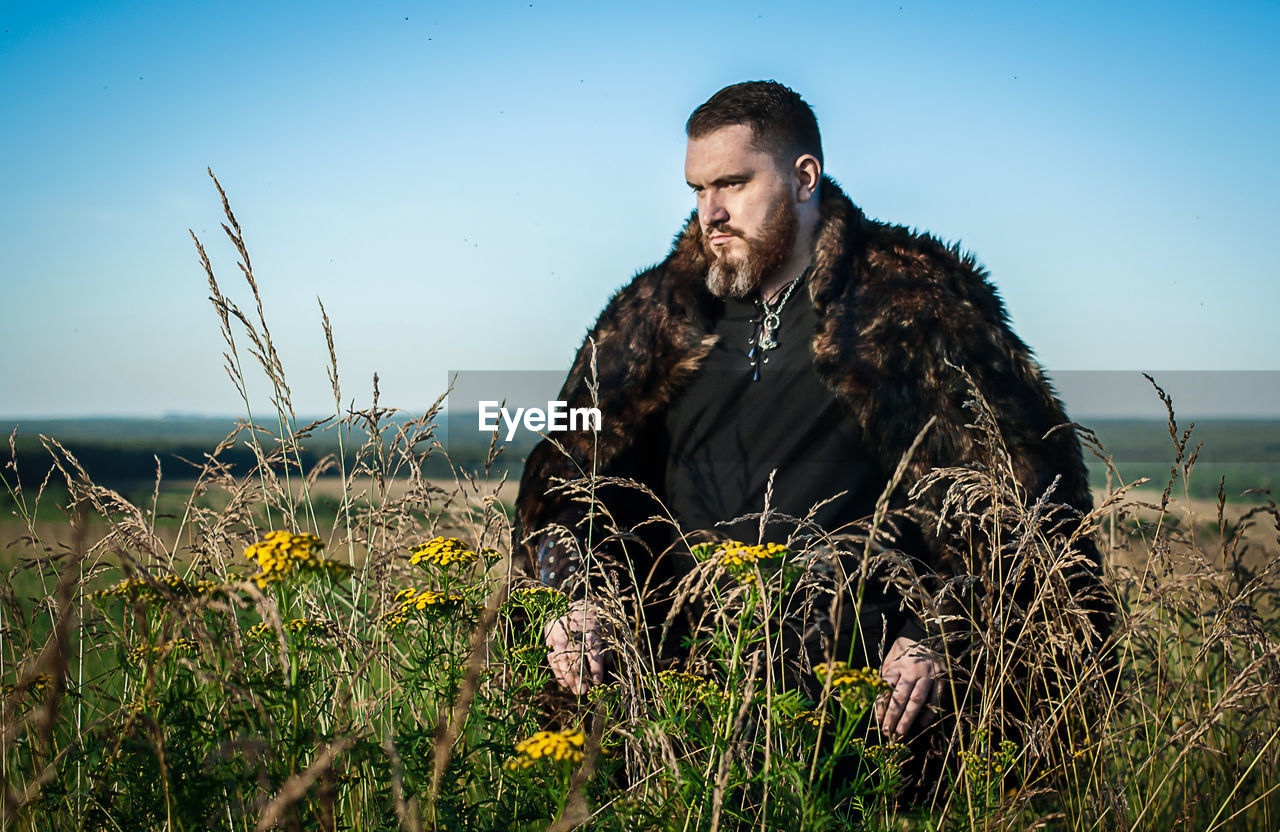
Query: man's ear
808, 173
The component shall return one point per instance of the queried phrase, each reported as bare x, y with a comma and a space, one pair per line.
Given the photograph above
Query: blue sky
463, 186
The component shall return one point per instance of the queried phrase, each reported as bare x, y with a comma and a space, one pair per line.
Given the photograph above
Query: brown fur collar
898, 313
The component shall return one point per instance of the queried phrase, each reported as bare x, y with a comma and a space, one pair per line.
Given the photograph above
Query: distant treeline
121, 453
1238, 454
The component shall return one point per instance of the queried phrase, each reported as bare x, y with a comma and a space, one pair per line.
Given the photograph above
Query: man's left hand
910, 671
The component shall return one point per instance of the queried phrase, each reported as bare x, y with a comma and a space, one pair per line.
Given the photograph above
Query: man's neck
800, 258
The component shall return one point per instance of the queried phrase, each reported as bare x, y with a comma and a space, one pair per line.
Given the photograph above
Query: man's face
745, 208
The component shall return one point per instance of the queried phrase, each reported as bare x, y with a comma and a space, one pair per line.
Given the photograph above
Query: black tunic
727, 432
741, 419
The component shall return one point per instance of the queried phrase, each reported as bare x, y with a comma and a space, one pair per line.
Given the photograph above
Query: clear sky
463, 185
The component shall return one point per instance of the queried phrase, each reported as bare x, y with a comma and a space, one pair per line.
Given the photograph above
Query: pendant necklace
767, 337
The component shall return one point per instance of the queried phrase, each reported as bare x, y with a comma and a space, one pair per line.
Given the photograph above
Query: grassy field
155, 680
336, 638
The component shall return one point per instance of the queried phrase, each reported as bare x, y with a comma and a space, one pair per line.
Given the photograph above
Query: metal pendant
767, 341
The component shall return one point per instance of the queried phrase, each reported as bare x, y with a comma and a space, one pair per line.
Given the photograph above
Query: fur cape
898, 313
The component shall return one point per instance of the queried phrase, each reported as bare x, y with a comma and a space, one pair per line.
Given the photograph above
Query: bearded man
788, 349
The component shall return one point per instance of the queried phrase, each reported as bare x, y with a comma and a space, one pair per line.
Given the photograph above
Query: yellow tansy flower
410, 600
443, 552
311, 632
282, 554
857, 686
739, 559
158, 588
548, 745
144, 653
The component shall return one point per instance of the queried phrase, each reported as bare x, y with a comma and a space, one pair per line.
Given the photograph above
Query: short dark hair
781, 123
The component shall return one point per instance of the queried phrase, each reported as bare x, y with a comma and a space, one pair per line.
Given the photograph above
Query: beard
766, 253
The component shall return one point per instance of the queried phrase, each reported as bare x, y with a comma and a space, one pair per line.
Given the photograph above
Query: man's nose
712, 210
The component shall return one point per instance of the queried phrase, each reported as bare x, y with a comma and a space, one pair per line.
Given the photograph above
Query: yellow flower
36, 685
602, 693
148, 703
533, 656
157, 589
985, 767
537, 596
410, 600
888, 756
443, 552
145, 653
539, 603
687, 689
282, 554
858, 687
311, 632
548, 745
811, 718
739, 559
733, 553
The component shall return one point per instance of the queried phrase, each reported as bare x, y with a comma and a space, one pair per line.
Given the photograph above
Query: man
787, 346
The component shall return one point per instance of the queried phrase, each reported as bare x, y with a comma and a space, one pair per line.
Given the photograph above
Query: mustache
721, 229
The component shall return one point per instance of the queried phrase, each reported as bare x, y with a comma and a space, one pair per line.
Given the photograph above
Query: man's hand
575, 645
910, 671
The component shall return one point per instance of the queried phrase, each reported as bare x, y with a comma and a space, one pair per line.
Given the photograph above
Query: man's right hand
575, 646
